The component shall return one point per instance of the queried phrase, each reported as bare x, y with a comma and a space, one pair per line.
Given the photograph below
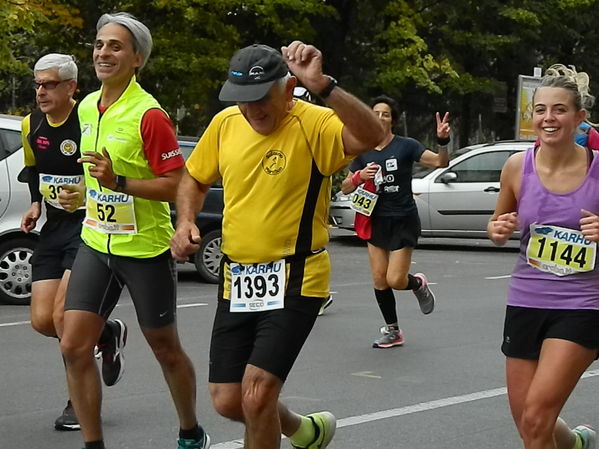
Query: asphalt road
443, 389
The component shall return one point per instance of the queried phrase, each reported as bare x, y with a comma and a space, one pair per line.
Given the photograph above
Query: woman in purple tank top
551, 195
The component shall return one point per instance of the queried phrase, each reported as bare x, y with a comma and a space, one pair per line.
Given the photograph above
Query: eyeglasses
47, 85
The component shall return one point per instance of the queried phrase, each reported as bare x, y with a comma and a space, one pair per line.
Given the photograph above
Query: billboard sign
526, 90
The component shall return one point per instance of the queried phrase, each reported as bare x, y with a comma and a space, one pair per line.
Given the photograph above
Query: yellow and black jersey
276, 187
50, 149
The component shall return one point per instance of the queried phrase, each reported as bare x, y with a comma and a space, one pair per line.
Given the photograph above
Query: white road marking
408, 410
505, 276
197, 304
14, 323
181, 306
369, 374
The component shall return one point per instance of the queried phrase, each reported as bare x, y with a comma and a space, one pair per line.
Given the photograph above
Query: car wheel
15, 271
207, 259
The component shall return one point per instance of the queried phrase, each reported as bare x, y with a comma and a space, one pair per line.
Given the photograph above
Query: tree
19, 23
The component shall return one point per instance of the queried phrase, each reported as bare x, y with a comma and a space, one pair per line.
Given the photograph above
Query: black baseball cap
252, 72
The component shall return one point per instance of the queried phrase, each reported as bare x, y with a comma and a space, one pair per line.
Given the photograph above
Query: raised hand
305, 62
443, 128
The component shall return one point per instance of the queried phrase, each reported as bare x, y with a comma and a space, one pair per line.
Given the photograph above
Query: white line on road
181, 306
15, 323
408, 410
505, 276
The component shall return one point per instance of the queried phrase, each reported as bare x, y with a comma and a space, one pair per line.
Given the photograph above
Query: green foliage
20, 22
456, 55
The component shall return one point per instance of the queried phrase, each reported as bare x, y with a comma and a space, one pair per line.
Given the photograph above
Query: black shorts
57, 247
393, 233
270, 340
526, 328
97, 280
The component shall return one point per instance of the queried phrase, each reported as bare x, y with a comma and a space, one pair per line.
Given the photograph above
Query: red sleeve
160, 142
593, 139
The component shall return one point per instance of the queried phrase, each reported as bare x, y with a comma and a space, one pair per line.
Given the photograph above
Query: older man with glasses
51, 138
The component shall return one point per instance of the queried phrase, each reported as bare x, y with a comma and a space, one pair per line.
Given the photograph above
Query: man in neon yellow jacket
132, 165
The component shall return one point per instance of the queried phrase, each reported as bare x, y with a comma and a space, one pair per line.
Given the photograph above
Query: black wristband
327, 90
443, 142
121, 182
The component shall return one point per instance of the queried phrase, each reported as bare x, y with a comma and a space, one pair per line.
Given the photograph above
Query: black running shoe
113, 361
67, 421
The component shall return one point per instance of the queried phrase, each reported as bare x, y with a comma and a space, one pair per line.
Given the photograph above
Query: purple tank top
530, 287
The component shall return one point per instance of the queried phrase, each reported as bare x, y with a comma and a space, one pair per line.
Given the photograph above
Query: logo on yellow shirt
274, 162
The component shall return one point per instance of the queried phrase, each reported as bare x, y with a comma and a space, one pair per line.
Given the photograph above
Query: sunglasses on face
47, 85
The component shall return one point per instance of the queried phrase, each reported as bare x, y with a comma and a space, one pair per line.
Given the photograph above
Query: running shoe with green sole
325, 425
587, 435
194, 444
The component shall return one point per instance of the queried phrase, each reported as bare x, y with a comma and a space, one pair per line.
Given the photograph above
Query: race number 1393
257, 287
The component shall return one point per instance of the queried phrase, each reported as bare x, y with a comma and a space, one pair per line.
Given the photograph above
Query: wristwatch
121, 182
327, 90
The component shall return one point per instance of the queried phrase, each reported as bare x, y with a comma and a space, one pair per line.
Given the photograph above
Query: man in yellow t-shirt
275, 155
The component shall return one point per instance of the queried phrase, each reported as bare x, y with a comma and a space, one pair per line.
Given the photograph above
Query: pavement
444, 389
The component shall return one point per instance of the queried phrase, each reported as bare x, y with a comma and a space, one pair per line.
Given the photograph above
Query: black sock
386, 302
195, 433
95, 445
414, 283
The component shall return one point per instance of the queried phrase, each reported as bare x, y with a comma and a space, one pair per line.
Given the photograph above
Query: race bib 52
110, 213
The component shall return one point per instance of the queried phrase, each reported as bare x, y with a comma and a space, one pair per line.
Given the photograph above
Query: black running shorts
393, 233
57, 247
270, 340
97, 280
526, 328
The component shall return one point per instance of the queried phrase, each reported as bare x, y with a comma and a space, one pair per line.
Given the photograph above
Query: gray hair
67, 69
142, 38
282, 82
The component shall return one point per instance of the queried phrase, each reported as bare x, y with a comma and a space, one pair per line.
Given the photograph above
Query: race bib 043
363, 201
257, 287
110, 213
560, 251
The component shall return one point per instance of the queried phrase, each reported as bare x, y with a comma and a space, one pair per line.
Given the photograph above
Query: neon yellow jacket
118, 130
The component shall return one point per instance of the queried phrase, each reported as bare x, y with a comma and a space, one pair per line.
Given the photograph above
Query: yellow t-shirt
276, 187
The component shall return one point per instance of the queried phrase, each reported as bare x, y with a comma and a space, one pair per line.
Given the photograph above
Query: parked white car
455, 201
16, 247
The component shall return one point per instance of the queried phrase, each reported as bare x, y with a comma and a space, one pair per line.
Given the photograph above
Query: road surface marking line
421, 407
15, 323
369, 374
197, 304
181, 306
505, 276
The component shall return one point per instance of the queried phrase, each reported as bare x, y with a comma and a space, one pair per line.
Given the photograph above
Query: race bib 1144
560, 251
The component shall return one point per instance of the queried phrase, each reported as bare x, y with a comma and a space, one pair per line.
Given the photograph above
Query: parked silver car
16, 247
455, 201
